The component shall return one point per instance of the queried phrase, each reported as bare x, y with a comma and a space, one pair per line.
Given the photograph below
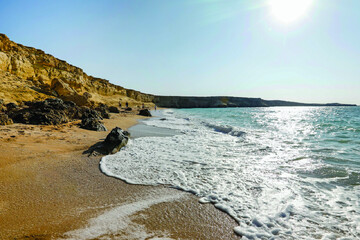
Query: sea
280, 172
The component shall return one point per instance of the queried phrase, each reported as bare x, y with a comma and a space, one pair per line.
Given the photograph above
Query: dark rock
86, 112
145, 112
11, 107
104, 110
48, 112
114, 141
52, 111
162, 119
128, 109
5, 120
114, 109
55, 111
92, 124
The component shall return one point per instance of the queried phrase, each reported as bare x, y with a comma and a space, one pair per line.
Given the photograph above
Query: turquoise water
328, 135
281, 173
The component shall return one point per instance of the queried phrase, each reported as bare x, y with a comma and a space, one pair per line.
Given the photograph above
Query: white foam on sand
117, 222
270, 186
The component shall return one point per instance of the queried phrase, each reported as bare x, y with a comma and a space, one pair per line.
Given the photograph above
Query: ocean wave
225, 129
283, 181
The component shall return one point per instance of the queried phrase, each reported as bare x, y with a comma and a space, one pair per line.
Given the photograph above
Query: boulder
80, 100
5, 120
114, 109
11, 106
145, 112
92, 124
104, 110
89, 113
115, 140
128, 109
61, 88
66, 92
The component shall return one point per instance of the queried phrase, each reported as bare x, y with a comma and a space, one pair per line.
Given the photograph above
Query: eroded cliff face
28, 74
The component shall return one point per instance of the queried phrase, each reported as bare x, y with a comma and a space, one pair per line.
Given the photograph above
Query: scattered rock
90, 113
114, 109
52, 111
5, 120
92, 124
104, 110
145, 112
11, 107
114, 141
49, 112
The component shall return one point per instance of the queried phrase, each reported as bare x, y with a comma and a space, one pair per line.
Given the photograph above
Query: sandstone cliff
28, 74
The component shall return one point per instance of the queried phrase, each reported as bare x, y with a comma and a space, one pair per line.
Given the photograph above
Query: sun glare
289, 11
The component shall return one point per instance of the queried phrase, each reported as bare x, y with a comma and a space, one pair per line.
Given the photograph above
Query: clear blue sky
200, 47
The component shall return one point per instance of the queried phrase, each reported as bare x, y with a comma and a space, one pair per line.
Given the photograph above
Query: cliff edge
28, 74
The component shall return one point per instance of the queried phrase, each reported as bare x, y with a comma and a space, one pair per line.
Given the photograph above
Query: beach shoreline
49, 189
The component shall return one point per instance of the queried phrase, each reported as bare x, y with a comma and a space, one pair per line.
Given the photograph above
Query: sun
289, 11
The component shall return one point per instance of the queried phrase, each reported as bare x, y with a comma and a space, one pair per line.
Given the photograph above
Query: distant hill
223, 101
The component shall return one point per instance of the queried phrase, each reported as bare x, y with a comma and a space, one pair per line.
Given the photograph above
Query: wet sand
50, 190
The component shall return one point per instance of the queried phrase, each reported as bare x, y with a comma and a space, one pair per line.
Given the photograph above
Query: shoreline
49, 187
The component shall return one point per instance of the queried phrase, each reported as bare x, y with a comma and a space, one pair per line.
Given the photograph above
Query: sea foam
117, 220
268, 178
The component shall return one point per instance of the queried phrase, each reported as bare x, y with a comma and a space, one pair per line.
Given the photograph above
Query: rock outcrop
48, 112
52, 111
103, 109
29, 74
115, 140
92, 124
145, 112
114, 109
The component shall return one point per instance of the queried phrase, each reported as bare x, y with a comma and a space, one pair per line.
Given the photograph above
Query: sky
242, 48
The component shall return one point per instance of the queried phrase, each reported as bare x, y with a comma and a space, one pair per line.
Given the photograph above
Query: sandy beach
50, 190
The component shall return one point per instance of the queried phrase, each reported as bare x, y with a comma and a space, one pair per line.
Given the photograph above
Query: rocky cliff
28, 74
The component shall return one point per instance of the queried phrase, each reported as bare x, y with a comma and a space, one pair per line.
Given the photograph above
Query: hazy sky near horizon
200, 47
